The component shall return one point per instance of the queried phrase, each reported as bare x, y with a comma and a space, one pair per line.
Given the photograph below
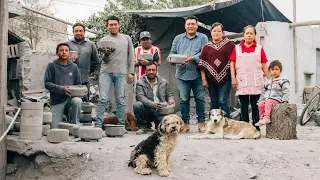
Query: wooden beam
305, 23
295, 53
4, 14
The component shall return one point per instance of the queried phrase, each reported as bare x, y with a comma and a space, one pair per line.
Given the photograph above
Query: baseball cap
145, 34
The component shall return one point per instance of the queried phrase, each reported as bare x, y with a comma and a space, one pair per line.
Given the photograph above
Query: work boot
185, 128
202, 127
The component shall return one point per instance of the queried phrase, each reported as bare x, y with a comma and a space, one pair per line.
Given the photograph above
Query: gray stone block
75, 130
68, 126
45, 129
58, 135
90, 133
47, 117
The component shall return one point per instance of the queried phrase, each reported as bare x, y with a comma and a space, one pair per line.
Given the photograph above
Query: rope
11, 124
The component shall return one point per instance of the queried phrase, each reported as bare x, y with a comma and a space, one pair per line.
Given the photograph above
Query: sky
72, 10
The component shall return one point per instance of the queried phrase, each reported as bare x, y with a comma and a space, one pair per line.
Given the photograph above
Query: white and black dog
155, 151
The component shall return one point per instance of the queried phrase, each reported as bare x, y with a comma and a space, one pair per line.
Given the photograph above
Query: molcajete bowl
78, 90
104, 44
148, 57
114, 130
177, 58
167, 110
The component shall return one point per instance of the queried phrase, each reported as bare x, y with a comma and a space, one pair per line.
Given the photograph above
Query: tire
309, 110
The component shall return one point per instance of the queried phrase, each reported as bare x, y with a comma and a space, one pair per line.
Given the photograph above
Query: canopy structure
234, 15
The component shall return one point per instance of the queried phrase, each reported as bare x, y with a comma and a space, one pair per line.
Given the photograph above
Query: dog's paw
145, 171
169, 169
164, 173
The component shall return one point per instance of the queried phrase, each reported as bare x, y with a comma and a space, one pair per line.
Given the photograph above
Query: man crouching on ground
152, 91
60, 74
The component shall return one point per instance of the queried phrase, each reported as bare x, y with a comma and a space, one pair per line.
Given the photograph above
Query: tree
132, 24
31, 26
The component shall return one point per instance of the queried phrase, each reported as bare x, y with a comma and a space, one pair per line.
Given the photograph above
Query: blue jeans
198, 90
219, 96
105, 83
58, 109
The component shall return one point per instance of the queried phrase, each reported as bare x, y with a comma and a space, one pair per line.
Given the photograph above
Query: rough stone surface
283, 122
68, 126
32, 113
75, 130
47, 117
42, 160
90, 133
58, 135
45, 129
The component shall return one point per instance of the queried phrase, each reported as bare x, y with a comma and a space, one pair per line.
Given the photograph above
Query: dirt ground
265, 159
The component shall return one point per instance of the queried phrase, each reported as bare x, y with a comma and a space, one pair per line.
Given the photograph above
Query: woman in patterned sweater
214, 66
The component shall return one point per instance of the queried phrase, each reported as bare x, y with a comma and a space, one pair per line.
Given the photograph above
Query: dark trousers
87, 97
145, 116
244, 100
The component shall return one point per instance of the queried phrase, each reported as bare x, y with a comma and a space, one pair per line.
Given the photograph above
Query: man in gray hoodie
59, 75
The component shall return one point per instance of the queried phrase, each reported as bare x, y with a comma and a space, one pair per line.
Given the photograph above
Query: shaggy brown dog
155, 151
219, 127
110, 119
131, 122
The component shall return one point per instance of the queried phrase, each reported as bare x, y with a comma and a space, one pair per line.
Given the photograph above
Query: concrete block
68, 126
31, 105
90, 133
75, 130
86, 117
30, 136
87, 107
58, 135
32, 112
47, 117
31, 121
45, 129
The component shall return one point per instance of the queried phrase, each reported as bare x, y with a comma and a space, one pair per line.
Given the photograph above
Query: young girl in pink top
248, 65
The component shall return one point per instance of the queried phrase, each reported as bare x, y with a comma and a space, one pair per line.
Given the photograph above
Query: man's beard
151, 78
79, 39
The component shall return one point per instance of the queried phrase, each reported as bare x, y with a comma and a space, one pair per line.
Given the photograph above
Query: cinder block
91, 133
45, 129
68, 126
75, 130
47, 117
58, 135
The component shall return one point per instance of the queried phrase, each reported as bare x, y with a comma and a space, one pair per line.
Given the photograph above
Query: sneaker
202, 127
262, 122
141, 131
185, 128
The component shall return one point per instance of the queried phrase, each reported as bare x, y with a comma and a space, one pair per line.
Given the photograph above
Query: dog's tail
257, 135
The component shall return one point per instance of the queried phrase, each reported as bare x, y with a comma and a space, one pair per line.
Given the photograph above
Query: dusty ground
192, 159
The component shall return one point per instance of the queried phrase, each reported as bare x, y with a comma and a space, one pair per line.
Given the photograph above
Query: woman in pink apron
248, 65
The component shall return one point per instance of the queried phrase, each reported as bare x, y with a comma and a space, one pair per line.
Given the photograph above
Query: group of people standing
218, 65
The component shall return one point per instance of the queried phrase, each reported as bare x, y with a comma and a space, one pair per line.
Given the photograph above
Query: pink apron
249, 72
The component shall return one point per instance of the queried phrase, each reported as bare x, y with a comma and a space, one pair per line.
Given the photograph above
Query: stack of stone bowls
86, 117
31, 121
47, 120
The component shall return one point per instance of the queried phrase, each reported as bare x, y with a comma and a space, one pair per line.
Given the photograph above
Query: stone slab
58, 135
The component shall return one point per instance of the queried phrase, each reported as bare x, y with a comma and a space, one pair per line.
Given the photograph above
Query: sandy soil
192, 159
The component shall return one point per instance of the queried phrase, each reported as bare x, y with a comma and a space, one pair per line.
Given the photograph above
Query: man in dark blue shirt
59, 75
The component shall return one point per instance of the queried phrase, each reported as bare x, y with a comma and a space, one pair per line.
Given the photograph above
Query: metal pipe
11, 124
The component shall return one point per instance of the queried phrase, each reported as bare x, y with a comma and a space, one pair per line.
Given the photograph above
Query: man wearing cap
145, 48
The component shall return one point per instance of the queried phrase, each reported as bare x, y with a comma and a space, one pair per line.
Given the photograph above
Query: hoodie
57, 76
277, 89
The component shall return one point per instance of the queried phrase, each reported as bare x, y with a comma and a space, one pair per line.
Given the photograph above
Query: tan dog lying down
219, 127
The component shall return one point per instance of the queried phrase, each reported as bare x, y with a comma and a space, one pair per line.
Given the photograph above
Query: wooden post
283, 122
295, 54
4, 16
